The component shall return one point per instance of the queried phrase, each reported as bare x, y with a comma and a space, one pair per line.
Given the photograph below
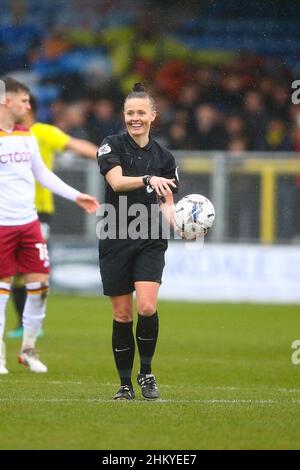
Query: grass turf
224, 372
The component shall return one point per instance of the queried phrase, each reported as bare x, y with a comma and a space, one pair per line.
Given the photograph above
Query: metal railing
244, 188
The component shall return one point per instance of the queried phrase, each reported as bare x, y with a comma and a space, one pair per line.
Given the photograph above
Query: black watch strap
146, 179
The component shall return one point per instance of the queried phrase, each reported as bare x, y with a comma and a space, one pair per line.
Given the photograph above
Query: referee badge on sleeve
104, 150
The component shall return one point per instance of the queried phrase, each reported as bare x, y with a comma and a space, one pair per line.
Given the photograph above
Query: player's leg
115, 258
5, 283
8, 246
123, 343
147, 274
19, 298
33, 262
147, 334
37, 286
18, 287
19, 294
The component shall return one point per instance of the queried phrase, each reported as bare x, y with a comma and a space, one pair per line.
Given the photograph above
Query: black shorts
123, 262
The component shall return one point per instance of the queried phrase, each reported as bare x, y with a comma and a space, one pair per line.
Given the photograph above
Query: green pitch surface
224, 372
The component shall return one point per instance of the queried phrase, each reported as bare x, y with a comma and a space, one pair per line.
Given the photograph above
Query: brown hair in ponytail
139, 91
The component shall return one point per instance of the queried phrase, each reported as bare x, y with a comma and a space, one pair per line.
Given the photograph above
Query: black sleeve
171, 171
108, 156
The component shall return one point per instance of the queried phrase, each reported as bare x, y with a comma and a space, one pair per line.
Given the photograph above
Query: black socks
124, 346
123, 349
146, 337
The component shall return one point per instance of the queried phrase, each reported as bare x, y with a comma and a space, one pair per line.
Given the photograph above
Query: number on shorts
43, 251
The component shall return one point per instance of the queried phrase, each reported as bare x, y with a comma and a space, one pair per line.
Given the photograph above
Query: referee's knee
123, 315
147, 309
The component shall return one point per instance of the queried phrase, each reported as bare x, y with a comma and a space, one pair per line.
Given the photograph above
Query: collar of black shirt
136, 146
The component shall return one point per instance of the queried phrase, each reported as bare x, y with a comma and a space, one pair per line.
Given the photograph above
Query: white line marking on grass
162, 401
255, 388
62, 382
263, 389
46, 382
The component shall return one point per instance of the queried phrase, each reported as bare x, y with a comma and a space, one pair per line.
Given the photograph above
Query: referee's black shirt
153, 159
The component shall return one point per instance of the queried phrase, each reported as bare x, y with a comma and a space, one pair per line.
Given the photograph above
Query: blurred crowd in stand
80, 61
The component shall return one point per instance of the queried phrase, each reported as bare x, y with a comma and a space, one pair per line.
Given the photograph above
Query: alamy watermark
136, 221
296, 93
2, 92
295, 358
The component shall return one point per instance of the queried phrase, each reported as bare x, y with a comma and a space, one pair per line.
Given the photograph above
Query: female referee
136, 167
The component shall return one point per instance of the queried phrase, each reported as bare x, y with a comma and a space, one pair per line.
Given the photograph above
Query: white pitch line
264, 388
203, 402
46, 382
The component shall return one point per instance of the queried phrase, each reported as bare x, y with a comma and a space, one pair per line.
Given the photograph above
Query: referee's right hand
162, 185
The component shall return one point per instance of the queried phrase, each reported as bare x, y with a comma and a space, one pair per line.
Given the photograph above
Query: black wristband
146, 179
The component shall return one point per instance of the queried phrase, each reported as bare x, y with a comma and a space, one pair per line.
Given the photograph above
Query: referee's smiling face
139, 116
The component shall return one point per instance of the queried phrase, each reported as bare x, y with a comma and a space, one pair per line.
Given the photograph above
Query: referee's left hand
87, 202
162, 185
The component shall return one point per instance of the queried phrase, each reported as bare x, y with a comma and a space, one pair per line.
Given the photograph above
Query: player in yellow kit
51, 140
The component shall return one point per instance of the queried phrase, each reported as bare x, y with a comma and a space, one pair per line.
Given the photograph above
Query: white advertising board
238, 273
213, 272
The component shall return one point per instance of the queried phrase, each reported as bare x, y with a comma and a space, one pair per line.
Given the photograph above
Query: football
194, 215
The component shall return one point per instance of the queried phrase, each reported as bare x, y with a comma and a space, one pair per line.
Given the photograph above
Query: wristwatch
146, 179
